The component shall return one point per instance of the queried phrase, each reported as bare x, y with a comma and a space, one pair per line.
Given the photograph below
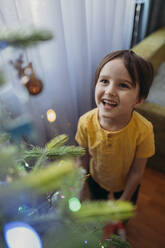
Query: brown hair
139, 69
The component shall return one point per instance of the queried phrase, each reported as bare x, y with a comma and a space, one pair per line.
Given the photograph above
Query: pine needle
35, 152
48, 179
115, 242
103, 210
65, 150
24, 37
59, 140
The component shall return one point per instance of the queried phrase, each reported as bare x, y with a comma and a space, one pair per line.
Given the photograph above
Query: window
140, 21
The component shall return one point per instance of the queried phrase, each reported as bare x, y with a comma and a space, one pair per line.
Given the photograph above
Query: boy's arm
134, 178
84, 160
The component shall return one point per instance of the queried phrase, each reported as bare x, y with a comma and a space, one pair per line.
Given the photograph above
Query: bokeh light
51, 115
21, 235
74, 204
25, 79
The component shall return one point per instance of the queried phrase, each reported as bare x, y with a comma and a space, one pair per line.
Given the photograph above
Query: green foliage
115, 242
35, 152
48, 179
65, 178
54, 150
65, 151
113, 210
58, 141
4, 137
24, 38
2, 80
9, 155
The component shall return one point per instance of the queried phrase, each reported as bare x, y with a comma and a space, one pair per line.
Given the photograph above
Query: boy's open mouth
109, 103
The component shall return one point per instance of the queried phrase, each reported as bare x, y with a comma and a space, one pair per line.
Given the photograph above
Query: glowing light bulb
51, 115
74, 204
19, 234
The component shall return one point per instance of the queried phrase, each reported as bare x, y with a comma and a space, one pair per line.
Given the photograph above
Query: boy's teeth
109, 102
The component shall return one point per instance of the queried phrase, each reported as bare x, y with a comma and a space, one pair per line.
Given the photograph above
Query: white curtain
84, 32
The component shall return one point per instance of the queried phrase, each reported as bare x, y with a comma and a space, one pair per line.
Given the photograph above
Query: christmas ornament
27, 76
34, 85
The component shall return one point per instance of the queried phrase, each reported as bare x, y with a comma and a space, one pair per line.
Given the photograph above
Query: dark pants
98, 193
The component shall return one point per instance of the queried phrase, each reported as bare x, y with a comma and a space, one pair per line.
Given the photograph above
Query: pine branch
65, 150
24, 37
53, 150
115, 242
4, 137
2, 80
90, 211
58, 141
39, 162
47, 180
34, 153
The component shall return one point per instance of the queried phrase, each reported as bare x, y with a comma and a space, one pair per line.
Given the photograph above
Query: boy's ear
140, 101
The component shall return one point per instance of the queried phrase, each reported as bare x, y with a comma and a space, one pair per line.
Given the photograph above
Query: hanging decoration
27, 76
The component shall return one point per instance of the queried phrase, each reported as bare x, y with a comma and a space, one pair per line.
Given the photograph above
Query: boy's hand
84, 160
121, 198
111, 196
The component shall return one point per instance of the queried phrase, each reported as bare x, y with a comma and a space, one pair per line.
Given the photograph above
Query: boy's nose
110, 89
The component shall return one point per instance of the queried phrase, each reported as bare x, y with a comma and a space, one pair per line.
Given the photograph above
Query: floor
147, 228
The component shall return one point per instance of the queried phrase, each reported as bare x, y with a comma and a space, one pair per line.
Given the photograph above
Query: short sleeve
146, 148
81, 135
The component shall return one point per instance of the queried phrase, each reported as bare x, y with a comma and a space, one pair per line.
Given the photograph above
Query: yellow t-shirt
112, 152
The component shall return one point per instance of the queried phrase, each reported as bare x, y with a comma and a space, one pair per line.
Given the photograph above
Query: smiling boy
118, 140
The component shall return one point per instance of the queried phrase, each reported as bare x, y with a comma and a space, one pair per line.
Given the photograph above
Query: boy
117, 139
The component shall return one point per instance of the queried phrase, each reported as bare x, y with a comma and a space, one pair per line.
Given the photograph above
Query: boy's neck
113, 124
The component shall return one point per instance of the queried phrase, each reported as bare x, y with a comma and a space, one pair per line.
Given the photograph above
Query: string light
51, 115
21, 209
74, 204
27, 165
19, 234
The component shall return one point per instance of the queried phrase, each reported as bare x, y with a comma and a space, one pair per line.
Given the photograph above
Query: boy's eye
124, 85
104, 81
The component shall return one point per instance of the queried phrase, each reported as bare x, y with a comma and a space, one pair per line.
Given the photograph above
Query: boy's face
115, 94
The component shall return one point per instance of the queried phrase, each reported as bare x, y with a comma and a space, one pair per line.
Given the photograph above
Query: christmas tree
40, 186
